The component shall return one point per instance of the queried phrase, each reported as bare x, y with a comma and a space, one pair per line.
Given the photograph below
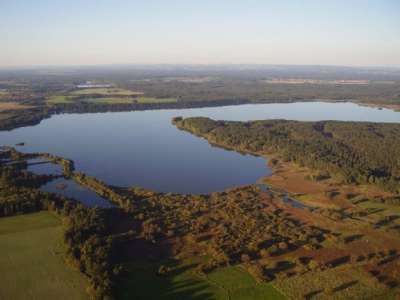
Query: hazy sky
81, 32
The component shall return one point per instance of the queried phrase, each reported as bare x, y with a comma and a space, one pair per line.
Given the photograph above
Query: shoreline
394, 107
296, 181
33, 115
322, 234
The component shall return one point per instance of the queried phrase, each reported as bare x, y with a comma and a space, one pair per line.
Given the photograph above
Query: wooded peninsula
283, 240
356, 152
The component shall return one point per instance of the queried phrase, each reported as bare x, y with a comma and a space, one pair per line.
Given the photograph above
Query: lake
143, 148
41, 167
70, 188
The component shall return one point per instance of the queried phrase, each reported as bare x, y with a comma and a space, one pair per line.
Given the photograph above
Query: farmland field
184, 283
11, 105
32, 260
109, 100
105, 96
155, 100
120, 99
345, 282
106, 92
59, 99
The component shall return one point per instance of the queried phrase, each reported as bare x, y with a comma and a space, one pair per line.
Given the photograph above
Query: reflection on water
71, 189
41, 166
143, 148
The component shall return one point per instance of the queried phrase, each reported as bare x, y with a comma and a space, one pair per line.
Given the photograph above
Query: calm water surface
41, 167
70, 188
145, 149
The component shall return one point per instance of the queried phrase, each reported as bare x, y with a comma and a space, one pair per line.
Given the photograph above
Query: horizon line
43, 66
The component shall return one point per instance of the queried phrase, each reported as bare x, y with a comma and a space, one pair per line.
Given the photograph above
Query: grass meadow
341, 283
155, 100
59, 99
183, 282
106, 92
31, 260
105, 96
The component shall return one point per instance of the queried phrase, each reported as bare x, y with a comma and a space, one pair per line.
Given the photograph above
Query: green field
106, 92
123, 100
109, 100
155, 100
107, 96
31, 260
231, 283
59, 99
343, 282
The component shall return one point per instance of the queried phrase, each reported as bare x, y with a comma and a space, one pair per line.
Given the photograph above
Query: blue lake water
143, 148
41, 167
70, 188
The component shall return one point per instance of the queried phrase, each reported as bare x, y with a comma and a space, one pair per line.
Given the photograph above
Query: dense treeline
85, 107
233, 226
193, 87
242, 229
19, 192
194, 83
91, 247
100, 188
17, 118
246, 225
18, 187
354, 151
258, 90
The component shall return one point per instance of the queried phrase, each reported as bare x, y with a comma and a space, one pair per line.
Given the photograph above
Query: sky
93, 32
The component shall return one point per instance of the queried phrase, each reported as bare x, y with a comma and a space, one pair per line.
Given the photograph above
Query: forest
345, 248
247, 227
44, 94
356, 152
